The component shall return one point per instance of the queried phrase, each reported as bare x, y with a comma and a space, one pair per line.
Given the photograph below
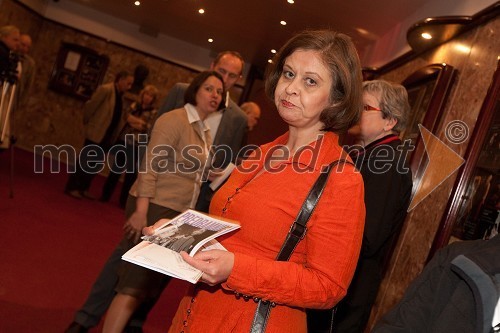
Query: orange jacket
266, 204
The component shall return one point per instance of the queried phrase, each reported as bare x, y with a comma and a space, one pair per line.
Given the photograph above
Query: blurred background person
227, 126
140, 117
252, 110
9, 42
103, 118
141, 73
28, 66
9, 72
164, 188
380, 157
456, 292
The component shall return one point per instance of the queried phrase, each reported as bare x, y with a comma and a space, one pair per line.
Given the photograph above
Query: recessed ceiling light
137, 3
291, 1
210, 40
201, 10
273, 51
462, 48
426, 35
270, 61
362, 31
283, 23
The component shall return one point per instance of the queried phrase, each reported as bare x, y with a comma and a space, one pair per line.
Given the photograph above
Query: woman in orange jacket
316, 86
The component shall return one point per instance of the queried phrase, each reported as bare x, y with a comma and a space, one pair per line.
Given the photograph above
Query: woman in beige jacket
168, 183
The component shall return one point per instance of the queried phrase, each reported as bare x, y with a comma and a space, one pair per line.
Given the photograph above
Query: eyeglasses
367, 107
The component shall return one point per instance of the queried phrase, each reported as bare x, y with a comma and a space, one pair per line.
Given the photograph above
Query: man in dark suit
456, 292
227, 127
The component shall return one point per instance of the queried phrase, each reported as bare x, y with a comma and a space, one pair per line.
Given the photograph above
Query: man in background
252, 110
28, 69
9, 72
228, 126
9, 41
104, 118
458, 291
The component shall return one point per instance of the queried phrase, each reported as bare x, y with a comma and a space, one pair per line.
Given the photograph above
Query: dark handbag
296, 233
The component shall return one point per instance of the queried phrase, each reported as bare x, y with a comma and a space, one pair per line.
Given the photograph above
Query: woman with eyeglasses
382, 159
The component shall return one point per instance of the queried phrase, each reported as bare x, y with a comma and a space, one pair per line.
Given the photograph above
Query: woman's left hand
148, 231
216, 265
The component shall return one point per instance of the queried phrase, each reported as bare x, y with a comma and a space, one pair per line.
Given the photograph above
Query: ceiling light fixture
210, 40
273, 51
201, 10
283, 23
426, 35
270, 61
362, 31
291, 1
137, 3
462, 48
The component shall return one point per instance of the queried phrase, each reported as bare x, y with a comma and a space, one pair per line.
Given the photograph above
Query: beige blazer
171, 171
98, 112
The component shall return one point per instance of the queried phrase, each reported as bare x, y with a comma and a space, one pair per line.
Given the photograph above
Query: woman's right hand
134, 225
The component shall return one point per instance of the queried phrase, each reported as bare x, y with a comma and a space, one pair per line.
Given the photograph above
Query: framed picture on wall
78, 71
72, 61
65, 78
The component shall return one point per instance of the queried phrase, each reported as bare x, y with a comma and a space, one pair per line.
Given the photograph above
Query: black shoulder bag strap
297, 232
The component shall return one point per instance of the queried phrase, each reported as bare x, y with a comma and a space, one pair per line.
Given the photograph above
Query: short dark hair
192, 89
234, 54
341, 59
121, 75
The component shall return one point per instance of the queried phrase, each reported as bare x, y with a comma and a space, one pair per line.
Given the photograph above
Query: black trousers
348, 318
86, 168
103, 290
125, 160
206, 194
319, 321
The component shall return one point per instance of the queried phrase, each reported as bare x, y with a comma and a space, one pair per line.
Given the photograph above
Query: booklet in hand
190, 231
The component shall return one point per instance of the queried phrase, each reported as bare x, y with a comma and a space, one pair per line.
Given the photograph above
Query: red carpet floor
52, 248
